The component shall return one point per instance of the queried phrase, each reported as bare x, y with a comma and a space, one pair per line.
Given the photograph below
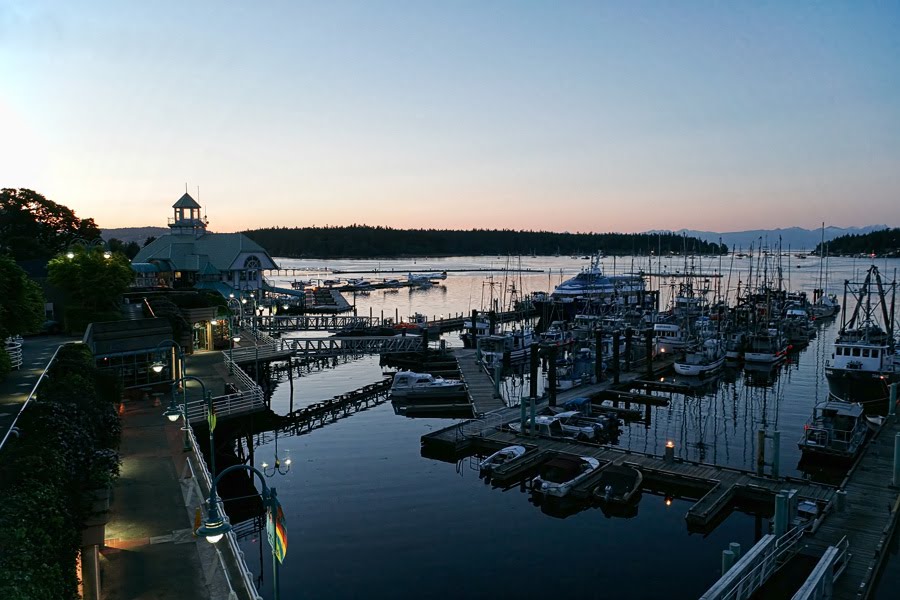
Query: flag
211, 417
275, 530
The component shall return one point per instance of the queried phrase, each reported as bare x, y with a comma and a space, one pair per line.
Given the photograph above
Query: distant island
363, 241
881, 243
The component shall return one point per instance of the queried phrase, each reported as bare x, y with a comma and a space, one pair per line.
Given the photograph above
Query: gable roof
189, 253
186, 202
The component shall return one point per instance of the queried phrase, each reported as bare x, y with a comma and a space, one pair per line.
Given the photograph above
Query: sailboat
824, 305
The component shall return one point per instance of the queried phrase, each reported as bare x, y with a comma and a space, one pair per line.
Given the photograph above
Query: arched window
251, 268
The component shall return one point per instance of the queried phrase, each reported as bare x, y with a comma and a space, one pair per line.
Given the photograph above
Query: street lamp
172, 414
277, 467
238, 312
216, 526
252, 299
234, 340
88, 245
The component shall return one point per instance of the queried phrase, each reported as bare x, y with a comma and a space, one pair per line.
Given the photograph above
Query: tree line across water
885, 242
363, 241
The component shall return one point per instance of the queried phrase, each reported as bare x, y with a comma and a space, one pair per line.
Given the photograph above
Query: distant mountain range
795, 237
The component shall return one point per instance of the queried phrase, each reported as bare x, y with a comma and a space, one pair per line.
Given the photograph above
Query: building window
251, 268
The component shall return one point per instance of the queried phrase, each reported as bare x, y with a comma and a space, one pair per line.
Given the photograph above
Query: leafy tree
149, 240
21, 301
31, 226
129, 249
93, 284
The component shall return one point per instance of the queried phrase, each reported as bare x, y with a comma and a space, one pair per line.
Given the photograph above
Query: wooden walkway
480, 384
868, 520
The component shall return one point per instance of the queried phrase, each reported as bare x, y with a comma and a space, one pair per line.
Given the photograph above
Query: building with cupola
190, 257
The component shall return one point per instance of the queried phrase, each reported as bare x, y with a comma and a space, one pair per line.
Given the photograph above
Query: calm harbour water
368, 516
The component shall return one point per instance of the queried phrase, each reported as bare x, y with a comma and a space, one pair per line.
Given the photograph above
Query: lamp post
234, 340
252, 299
277, 467
210, 416
239, 313
157, 367
87, 245
215, 525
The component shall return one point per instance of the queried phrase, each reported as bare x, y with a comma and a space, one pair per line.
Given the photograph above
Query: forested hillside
361, 241
881, 243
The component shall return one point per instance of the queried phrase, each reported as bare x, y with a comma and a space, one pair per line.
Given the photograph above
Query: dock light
215, 527
284, 306
668, 501
243, 301
70, 255
669, 456
214, 322
157, 367
236, 339
107, 254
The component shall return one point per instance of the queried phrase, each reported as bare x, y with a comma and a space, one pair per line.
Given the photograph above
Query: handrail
243, 569
12, 426
783, 545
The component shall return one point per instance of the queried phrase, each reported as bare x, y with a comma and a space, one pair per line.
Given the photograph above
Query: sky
563, 116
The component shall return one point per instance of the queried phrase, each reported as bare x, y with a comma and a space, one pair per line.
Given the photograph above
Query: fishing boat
767, 346
865, 360
511, 346
482, 328
500, 457
702, 358
411, 386
561, 473
836, 429
618, 484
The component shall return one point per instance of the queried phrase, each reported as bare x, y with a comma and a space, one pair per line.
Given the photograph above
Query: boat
419, 278
561, 473
482, 328
670, 337
591, 282
618, 484
836, 429
506, 347
767, 346
500, 457
411, 386
865, 362
569, 424
702, 358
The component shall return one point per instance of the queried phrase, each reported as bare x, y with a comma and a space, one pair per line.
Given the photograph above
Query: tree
21, 301
149, 240
130, 249
93, 285
31, 226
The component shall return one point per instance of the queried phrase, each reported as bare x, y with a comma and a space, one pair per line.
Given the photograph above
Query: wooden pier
480, 384
716, 487
868, 519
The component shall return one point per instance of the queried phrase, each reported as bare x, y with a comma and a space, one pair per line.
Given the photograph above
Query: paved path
149, 550
14, 390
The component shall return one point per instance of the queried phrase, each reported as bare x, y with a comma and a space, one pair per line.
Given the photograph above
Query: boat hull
697, 370
859, 386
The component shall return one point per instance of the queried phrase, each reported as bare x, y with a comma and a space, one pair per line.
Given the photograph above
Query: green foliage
67, 446
31, 226
21, 301
93, 285
5, 363
129, 249
361, 241
885, 242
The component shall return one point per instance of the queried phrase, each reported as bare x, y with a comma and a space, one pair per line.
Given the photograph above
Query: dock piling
892, 400
533, 429
498, 373
840, 500
776, 452
533, 371
648, 350
896, 478
727, 560
616, 357
522, 416
781, 510
736, 549
598, 356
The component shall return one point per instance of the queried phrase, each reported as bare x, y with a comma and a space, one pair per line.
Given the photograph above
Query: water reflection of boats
761, 374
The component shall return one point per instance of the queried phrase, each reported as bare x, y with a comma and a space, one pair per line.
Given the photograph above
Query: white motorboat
561, 473
702, 359
591, 282
411, 386
507, 347
500, 457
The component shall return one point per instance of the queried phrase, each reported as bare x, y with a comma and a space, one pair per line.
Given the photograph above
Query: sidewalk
150, 551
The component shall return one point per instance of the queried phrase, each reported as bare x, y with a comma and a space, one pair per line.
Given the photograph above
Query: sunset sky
566, 116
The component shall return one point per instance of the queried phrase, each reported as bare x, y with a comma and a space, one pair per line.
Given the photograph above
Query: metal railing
202, 485
14, 350
12, 428
820, 582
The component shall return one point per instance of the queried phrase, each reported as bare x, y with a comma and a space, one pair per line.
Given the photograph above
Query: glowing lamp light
668, 501
670, 444
285, 307
287, 462
236, 339
157, 367
70, 254
172, 412
215, 527
214, 322
107, 254
243, 301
